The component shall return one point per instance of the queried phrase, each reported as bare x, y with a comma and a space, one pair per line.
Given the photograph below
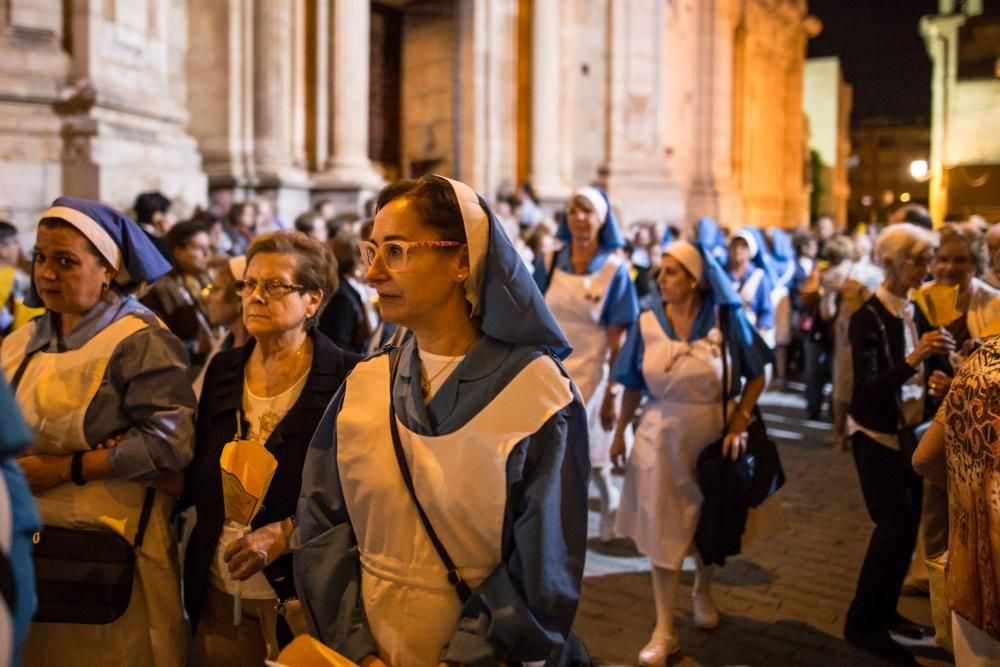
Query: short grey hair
900, 242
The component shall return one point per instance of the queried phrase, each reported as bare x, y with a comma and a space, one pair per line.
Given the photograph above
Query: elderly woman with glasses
443, 516
887, 403
104, 387
271, 392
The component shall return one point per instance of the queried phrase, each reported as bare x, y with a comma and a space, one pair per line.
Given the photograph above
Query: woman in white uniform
751, 281
105, 387
472, 420
673, 358
591, 294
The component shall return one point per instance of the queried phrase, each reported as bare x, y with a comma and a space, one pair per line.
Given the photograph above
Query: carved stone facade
962, 42
680, 108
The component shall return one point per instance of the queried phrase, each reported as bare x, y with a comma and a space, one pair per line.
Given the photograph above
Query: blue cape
511, 307
747, 350
783, 252
610, 237
141, 261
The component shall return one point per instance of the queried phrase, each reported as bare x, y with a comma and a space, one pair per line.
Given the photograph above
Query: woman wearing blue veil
673, 359
587, 285
783, 261
443, 515
752, 278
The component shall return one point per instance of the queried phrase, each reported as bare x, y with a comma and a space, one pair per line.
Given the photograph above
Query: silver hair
899, 242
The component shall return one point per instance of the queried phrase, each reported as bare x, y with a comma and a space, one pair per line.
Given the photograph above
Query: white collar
897, 306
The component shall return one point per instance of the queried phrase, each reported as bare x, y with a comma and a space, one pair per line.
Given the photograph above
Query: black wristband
76, 469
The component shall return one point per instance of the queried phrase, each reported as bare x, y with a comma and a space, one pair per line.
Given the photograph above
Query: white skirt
661, 500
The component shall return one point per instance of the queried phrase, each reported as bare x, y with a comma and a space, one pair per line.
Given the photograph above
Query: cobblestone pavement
783, 601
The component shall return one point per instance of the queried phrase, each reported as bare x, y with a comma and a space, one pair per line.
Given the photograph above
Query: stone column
349, 163
299, 101
546, 121
712, 192
35, 67
273, 90
635, 171
486, 41
320, 85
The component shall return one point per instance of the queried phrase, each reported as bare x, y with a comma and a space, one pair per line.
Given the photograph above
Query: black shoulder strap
147, 509
550, 269
454, 578
16, 378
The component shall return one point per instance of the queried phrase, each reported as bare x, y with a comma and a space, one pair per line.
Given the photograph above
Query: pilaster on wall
33, 70
636, 172
487, 76
550, 100
118, 141
712, 191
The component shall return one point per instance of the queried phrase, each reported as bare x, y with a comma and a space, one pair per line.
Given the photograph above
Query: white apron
461, 480
576, 301
661, 500
54, 393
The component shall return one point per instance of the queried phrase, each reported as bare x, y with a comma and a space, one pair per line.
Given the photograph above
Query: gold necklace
425, 383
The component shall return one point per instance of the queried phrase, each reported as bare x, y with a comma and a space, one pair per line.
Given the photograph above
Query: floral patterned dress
970, 416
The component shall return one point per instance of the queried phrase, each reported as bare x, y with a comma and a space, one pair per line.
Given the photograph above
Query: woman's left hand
734, 444
735, 441
256, 550
609, 412
939, 384
44, 471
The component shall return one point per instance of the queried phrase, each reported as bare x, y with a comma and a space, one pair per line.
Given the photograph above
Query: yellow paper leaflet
305, 651
937, 303
247, 469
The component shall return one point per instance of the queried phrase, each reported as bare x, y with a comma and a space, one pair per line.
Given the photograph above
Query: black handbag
86, 576
730, 487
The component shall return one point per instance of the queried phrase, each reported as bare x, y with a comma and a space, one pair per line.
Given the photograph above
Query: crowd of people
427, 394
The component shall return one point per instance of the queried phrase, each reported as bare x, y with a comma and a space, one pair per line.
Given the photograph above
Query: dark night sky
881, 52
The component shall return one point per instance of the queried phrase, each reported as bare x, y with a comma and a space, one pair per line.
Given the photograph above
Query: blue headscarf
668, 236
762, 257
711, 238
117, 238
610, 236
783, 254
748, 352
499, 287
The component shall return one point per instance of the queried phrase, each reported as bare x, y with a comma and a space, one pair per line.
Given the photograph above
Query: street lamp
919, 170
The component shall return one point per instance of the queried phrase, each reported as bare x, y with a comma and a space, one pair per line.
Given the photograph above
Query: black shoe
904, 627
882, 645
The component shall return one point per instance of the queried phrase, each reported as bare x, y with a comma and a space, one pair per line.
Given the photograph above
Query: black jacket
221, 398
877, 380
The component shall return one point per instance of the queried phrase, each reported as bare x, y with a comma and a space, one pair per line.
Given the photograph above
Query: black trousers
893, 493
816, 371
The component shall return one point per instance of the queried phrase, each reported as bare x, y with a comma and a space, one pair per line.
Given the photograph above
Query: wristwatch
76, 469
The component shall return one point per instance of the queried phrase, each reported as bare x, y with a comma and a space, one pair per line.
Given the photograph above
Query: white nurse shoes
655, 653
703, 609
